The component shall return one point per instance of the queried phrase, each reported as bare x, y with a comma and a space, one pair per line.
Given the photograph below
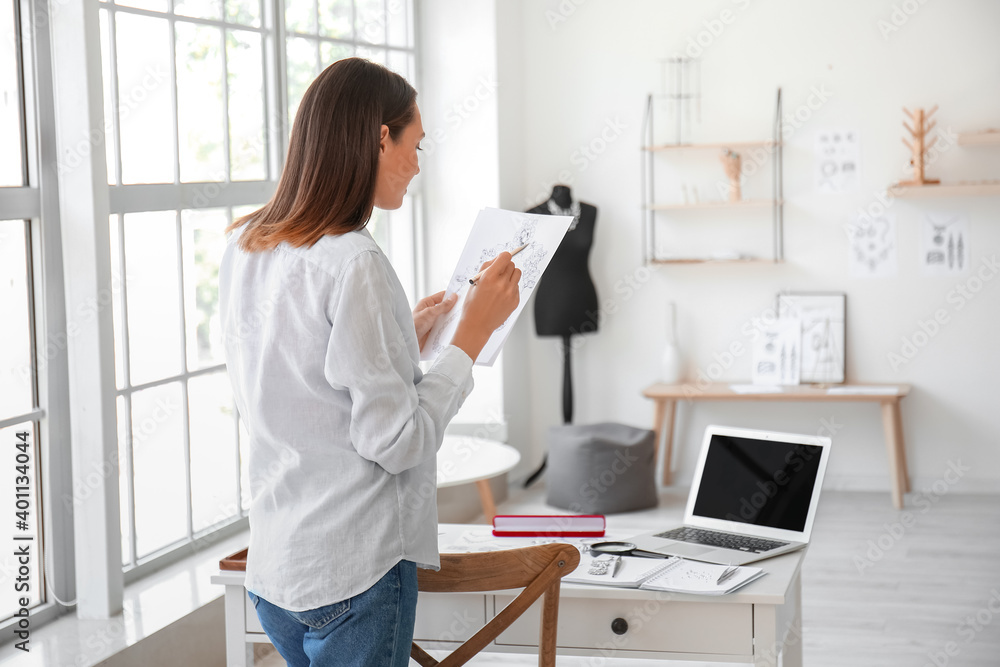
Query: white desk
465, 459
754, 625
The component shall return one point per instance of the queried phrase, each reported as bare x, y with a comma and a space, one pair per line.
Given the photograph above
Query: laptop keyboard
714, 538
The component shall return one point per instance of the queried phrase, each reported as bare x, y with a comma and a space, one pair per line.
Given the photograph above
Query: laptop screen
759, 482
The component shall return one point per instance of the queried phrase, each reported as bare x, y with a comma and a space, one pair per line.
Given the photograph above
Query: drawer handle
619, 626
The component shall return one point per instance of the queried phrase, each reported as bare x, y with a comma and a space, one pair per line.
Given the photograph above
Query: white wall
562, 81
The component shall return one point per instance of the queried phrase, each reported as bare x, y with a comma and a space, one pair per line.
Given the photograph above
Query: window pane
154, 5
16, 368
116, 306
331, 52
158, 453
244, 12
11, 170
302, 69
374, 55
124, 473
206, 9
397, 33
335, 18
214, 464
153, 296
203, 243
369, 21
109, 140
399, 62
199, 102
300, 16
8, 562
144, 104
246, 106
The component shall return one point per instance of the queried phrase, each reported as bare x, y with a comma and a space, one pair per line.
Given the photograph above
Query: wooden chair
537, 569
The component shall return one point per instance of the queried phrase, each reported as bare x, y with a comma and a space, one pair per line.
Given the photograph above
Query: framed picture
823, 317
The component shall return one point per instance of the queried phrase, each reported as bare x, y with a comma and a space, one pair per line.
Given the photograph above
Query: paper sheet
944, 246
495, 231
873, 246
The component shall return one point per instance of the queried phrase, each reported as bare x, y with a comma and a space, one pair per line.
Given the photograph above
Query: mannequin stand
567, 402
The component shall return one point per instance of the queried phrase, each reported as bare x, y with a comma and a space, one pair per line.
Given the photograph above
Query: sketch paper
822, 317
777, 353
495, 231
837, 161
872, 252
944, 243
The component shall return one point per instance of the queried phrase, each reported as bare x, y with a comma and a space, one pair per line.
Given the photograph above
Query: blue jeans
371, 629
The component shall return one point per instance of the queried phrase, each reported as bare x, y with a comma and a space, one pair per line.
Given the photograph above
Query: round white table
463, 459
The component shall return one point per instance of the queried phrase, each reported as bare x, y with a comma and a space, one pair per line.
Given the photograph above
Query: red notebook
548, 525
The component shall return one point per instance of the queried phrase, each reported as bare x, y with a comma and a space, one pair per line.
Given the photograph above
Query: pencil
474, 279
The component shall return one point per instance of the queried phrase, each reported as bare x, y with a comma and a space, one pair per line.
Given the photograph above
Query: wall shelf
713, 260
745, 203
979, 138
963, 189
650, 208
713, 146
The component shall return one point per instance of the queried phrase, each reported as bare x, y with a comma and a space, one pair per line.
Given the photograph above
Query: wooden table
760, 623
665, 399
464, 459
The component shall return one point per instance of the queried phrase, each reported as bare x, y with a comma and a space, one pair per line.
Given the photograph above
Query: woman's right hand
488, 304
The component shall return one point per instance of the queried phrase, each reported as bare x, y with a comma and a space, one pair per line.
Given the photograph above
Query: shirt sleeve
398, 414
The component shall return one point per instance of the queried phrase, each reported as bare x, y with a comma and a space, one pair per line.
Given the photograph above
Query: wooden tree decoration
731, 162
922, 125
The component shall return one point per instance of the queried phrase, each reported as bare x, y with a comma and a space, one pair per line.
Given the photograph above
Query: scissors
623, 549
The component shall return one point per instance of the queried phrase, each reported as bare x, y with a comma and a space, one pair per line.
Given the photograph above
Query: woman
322, 352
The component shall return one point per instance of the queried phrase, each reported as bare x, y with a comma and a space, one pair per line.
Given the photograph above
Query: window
20, 413
189, 147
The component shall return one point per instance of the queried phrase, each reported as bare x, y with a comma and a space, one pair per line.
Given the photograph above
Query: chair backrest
538, 570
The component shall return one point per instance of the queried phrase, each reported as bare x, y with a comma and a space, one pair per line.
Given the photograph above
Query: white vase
671, 364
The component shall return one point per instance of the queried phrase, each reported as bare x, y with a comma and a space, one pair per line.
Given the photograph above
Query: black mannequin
565, 298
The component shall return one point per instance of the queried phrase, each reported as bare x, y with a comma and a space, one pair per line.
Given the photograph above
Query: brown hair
327, 185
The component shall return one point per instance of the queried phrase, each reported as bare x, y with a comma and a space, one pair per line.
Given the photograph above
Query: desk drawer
652, 625
449, 617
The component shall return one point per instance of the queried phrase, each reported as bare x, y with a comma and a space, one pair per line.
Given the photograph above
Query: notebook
754, 495
675, 574
691, 576
634, 571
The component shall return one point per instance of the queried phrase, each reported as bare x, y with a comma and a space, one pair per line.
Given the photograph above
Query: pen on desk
618, 567
730, 571
474, 279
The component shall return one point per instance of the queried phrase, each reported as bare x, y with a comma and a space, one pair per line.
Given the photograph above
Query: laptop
754, 496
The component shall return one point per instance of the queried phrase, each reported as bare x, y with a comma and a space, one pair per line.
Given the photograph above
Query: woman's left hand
426, 313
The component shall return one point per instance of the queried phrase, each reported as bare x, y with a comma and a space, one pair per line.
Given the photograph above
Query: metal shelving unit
650, 207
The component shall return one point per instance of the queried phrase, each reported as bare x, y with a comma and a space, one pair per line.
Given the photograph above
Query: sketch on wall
944, 243
837, 161
822, 318
872, 252
777, 353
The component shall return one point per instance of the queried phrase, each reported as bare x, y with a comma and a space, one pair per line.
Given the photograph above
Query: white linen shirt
343, 425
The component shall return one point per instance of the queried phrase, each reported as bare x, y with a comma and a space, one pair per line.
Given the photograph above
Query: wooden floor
881, 587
